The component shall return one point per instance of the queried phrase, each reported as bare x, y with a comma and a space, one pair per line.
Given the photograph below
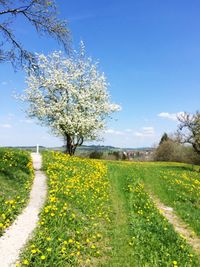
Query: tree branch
43, 16
16, 11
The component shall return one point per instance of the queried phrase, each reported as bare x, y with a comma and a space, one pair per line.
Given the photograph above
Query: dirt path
19, 232
180, 226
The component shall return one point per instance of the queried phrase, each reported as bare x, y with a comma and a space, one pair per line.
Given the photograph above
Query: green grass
16, 175
146, 238
121, 252
74, 222
176, 185
102, 216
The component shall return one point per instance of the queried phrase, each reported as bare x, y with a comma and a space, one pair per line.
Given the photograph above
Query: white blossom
69, 95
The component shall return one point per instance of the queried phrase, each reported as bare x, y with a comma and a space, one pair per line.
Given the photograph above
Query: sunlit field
74, 224
16, 175
152, 240
177, 185
100, 213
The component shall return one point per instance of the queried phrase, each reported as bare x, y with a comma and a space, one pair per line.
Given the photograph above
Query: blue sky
150, 53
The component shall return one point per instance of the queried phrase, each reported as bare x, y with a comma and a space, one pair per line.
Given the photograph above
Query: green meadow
100, 213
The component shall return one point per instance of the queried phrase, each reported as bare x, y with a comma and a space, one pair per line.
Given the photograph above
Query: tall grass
16, 175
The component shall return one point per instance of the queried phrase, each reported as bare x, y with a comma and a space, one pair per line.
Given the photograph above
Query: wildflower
26, 262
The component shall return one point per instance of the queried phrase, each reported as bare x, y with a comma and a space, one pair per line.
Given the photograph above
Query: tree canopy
164, 138
70, 96
41, 14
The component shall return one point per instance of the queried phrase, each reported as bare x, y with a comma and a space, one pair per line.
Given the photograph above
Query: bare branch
43, 17
189, 129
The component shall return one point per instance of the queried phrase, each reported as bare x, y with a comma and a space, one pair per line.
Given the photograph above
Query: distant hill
85, 148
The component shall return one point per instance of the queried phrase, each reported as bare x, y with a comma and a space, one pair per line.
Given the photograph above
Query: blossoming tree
70, 96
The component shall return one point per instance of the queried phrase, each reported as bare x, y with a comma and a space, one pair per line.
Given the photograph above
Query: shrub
169, 151
96, 155
172, 151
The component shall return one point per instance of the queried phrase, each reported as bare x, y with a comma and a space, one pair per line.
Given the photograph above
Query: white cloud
128, 130
5, 125
145, 132
26, 121
10, 116
138, 137
148, 130
4, 83
111, 131
170, 116
139, 134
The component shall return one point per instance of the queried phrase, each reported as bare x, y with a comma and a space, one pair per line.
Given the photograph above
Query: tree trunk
69, 146
196, 148
72, 143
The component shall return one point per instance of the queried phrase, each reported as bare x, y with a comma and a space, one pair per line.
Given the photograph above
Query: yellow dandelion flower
26, 262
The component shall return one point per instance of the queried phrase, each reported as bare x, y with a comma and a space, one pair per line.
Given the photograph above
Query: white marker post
37, 151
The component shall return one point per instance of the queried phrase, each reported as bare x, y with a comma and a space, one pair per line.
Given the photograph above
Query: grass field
100, 214
74, 223
16, 175
150, 238
176, 185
